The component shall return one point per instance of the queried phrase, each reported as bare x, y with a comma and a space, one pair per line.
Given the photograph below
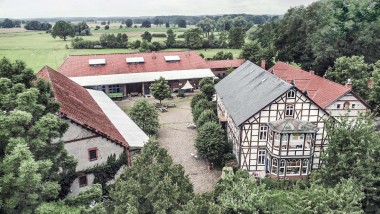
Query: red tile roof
322, 91
77, 104
234, 63
77, 65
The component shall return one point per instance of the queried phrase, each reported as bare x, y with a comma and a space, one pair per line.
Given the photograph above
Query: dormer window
135, 60
291, 94
96, 62
172, 58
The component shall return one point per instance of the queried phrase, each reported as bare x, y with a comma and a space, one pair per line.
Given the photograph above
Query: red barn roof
77, 104
78, 65
322, 91
234, 63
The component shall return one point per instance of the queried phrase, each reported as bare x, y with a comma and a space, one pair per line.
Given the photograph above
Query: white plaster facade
77, 141
348, 106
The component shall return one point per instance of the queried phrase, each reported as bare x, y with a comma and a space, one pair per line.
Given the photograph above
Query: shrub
162, 35
229, 159
210, 142
196, 98
107, 27
201, 106
181, 36
208, 90
136, 44
206, 116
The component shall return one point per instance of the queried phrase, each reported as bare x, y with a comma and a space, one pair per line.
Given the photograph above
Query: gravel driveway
179, 141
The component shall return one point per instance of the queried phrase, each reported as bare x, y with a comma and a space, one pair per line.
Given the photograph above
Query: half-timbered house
275, 128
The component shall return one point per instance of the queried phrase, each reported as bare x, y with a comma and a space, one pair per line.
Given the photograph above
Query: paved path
179, 141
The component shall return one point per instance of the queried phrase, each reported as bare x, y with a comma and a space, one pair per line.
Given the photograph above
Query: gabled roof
77, 105
234, 63
322, 91
78, 65
248, 89
293, 126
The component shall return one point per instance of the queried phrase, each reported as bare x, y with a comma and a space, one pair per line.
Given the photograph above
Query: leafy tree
222, 41
222, 56
208, 90
207, 25
158, 187
62, 29
36, 25
241, 22
196, 98
145, 47
205, 81
146, 24
224, 24
255, 52
170, 40
136, 44
181, 23
145, 116
353, 152
201, 204
107, 27
210, 142
82, 29
167, 25
374, 96
129, 23
22, 182
206, 116
160, 89
236, 37
146, 36
193, 38
200, 106
353, 68
157, 22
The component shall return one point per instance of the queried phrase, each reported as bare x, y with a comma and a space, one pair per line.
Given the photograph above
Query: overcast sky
105, 8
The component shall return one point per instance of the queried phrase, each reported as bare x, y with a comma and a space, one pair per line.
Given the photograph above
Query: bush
156, 46
181, 36
162, 35
206, 116
136, 44
229, 159
208, 90
107, 27
210, 142
201, 106
179, 44
196, 98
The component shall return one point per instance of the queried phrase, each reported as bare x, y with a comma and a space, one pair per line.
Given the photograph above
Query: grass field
38, 48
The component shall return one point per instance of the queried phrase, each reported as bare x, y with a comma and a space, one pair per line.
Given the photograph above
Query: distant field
38, 48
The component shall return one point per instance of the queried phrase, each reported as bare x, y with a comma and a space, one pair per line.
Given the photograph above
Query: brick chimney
312, 72
263, 64
348, 83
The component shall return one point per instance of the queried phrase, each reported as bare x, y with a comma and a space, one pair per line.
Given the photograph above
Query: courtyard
179, 141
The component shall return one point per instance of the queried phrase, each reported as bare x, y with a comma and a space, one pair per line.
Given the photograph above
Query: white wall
337, 109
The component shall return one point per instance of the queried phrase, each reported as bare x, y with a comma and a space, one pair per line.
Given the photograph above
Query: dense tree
236, 37
206, 116
208, 90
181, 23
107, 27
353, 68
7, 23
210, 142
221, 55
158, 187
374, 96
241, 22
353, 152
167, 25
111, 41
205, 81
129, 23
146, 36
157, 22
145, 116
207, 25
170, 40
146, 24
201, 204
62, 29
82, 29
36, 25
200, 106
160, 89
224, 24
196, 98
193, 39
255, 52
223, 40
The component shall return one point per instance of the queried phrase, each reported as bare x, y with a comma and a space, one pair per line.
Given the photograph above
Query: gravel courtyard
179, 141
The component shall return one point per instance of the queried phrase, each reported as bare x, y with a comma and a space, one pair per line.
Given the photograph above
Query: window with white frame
282, 167
305, 166
263, 132
291, 94
274, 166
293, 167
261, 158
289, 111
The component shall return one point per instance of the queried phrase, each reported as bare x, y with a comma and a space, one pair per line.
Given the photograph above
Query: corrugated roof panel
127, 128
134, 60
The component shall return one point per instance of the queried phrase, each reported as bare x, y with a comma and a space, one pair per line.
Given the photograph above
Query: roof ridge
171, 51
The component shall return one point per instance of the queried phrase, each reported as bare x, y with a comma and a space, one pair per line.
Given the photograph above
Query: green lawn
39, 48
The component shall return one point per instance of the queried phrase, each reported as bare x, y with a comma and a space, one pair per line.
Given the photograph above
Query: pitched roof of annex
322, 91
78, 105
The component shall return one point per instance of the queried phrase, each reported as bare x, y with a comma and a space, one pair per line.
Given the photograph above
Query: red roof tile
234, 63
322, 91
78, 65
77, 104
